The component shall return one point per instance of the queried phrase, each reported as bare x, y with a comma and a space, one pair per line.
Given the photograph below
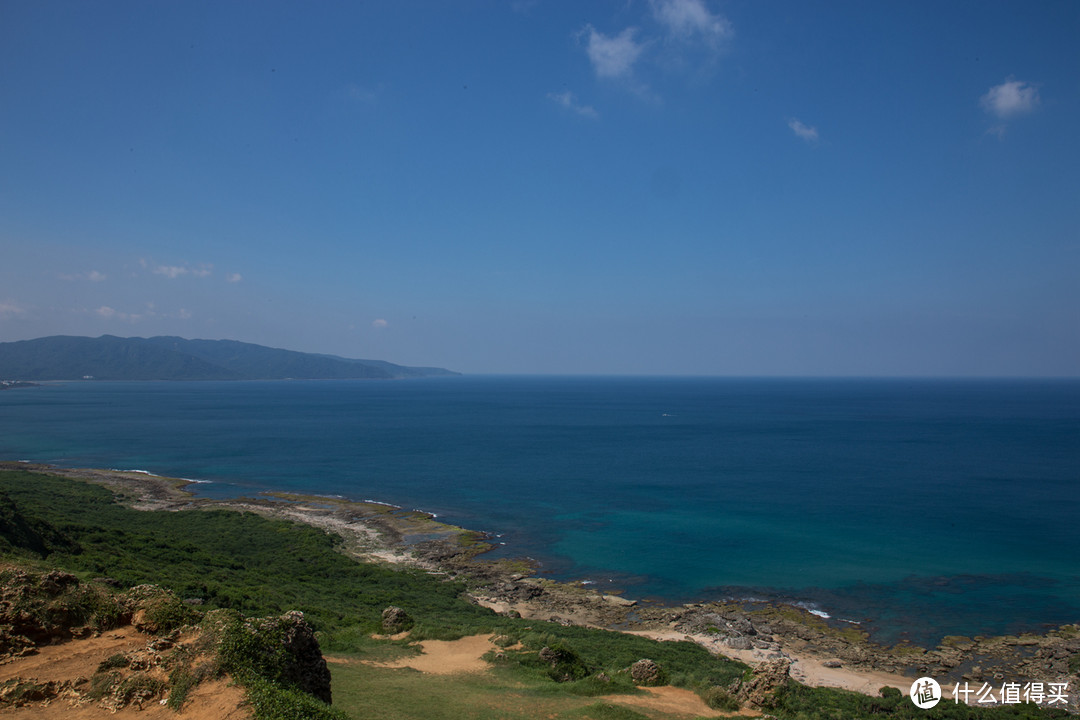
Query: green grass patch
799, 702
230, 559
607, 711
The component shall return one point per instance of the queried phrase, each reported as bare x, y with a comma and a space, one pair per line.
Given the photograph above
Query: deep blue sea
917, 508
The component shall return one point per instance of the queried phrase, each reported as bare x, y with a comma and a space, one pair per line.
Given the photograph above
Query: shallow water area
916, 507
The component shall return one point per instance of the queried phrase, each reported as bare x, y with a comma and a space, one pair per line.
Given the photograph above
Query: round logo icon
925, 693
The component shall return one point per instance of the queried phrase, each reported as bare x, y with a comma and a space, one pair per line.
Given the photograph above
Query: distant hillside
63, 357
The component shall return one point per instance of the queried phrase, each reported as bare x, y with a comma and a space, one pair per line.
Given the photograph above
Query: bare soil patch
447, 657
71, 664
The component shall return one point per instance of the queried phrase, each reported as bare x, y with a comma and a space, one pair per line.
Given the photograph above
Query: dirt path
447, 657
75, 661
75, 658
215, 700
673, 700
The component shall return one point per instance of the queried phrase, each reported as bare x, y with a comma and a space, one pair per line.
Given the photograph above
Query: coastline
814, 651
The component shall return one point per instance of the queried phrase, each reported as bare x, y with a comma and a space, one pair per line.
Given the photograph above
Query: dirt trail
447, 657
75, 661
72, 659
677, 701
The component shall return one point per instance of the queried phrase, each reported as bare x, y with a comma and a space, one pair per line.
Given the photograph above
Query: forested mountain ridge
64, 357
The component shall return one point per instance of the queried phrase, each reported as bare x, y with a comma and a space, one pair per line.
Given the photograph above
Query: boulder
307, 666
619, 601
395, 620
288, 644
757, 691
646, 672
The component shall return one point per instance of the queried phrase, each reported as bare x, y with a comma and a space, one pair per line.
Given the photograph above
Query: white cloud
379, 323
523, 6
11, 309
107, 312
1010, 98
613, 57
174, 271
569, 101
234, 277
170, 271
362, 95
689, 18
806, 132
92, 276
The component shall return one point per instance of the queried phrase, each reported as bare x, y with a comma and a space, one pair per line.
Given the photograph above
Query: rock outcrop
395, 620
646, 672
757, 691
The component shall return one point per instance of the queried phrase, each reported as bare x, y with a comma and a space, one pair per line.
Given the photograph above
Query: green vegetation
605, 711
31, 535
799, 702
172, 358
231, 560
234, 564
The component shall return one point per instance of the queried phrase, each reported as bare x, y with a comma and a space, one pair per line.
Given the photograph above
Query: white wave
380, 502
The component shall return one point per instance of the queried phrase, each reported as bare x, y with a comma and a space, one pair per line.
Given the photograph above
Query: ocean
916, 508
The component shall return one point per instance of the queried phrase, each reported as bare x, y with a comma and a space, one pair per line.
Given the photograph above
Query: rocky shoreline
760, 634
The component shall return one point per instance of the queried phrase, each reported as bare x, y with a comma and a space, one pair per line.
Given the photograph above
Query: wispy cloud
1008, 101
379, 324
806, 132
613, 57
1010, 98
681, 36
174, 271
9, 308
107, 312
92, 276
568, 100
523, 6
362, 95
234, 277
688, 19
170, 271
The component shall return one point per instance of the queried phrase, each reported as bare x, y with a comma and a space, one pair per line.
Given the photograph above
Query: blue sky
750, 187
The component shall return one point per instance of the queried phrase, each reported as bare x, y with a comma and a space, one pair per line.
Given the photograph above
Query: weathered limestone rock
646, 672
757, 691
395, 620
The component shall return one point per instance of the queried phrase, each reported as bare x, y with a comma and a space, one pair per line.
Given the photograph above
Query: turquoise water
915, 507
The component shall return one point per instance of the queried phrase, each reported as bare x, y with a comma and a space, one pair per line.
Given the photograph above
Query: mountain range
65, 357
